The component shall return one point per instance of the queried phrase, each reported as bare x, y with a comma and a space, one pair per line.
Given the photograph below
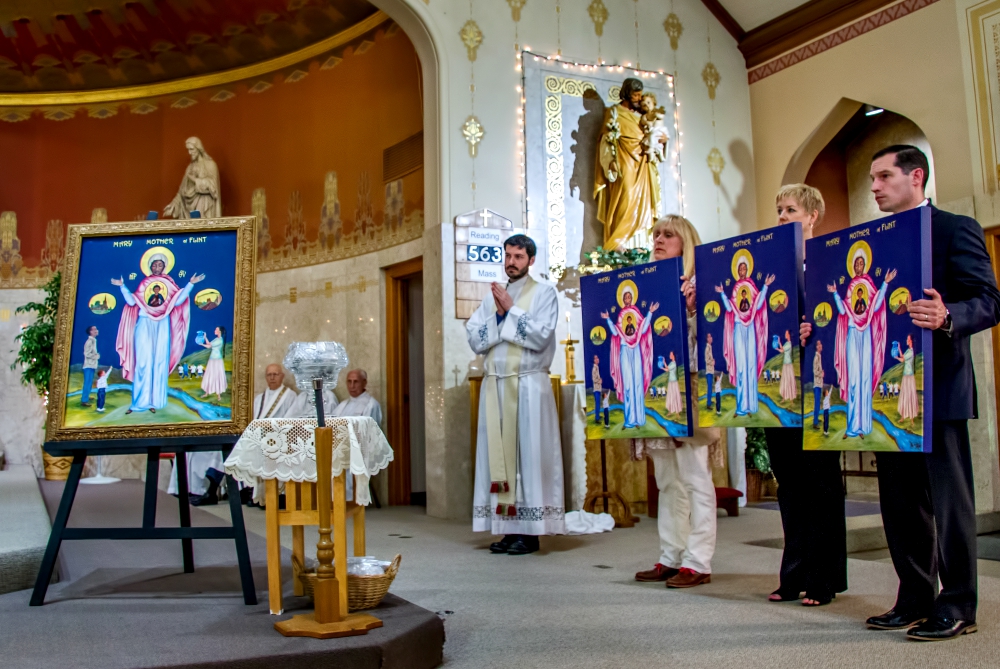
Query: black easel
80, 450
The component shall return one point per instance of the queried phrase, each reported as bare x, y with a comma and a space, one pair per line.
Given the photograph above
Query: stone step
24, 530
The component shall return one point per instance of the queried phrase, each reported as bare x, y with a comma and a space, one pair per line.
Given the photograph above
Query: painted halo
859, 248
742, 257
148, 292
627, 286
149, 256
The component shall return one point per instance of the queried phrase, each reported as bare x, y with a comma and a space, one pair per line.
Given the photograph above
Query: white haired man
360, 403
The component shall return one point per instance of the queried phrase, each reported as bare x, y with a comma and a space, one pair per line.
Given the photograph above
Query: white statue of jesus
199, 189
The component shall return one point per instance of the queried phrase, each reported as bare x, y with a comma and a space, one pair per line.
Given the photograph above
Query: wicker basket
363, 592
56, 468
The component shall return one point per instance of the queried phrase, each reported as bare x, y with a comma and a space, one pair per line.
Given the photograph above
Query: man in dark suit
928, 504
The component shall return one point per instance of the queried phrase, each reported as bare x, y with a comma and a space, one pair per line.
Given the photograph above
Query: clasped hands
502, 299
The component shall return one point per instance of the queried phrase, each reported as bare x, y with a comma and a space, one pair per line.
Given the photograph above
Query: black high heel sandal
784, 596
819, 601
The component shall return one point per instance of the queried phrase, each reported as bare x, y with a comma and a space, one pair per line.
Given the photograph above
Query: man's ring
926, 317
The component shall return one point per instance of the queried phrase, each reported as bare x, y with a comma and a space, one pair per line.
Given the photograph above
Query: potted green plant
34, 354
758, 463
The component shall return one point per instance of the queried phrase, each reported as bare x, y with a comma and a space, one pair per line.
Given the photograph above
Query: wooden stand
625, 518
330, 618
300, 510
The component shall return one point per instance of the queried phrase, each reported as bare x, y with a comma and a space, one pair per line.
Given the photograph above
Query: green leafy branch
757, 456
37, 341
604, 260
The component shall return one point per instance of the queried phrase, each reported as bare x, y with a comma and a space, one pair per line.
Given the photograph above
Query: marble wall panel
22, 411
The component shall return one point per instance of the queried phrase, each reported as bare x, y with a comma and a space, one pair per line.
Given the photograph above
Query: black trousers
929, 515
811, 499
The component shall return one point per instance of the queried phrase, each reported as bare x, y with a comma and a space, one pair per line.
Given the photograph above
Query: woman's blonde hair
683, 228
809, 198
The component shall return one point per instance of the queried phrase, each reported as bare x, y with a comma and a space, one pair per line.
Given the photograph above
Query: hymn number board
479, 255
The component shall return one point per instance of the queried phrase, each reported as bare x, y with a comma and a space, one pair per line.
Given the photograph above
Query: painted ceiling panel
83, 44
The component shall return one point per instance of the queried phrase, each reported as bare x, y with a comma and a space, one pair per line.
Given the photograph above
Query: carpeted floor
125, 604
575, 604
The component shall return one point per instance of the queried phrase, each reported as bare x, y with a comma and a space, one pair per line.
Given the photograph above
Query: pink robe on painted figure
151, 340
744, 342
632, 364
859, 356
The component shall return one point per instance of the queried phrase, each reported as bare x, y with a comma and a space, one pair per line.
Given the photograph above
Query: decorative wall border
328, 290
845, 34
985, 87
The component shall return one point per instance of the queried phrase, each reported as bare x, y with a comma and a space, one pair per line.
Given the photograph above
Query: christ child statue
654, 141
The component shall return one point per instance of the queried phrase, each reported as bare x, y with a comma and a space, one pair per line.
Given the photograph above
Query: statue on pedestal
199, 189
627, 182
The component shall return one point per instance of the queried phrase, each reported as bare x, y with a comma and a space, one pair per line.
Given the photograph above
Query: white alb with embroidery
539, 506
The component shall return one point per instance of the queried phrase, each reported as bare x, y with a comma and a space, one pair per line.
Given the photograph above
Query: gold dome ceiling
79, 45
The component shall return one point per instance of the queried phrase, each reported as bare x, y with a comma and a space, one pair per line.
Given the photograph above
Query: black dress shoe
523, 545
504, 544
941, 629
211, 496
894, 620
246, 496
208, 499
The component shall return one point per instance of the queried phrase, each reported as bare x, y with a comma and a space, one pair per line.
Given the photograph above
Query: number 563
484, 253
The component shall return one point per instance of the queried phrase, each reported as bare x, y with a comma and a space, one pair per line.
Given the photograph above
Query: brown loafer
688, 578
659, 572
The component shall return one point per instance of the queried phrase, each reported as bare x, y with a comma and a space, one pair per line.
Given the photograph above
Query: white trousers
687, 515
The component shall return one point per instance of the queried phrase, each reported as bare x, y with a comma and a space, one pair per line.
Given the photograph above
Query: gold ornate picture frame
154, 336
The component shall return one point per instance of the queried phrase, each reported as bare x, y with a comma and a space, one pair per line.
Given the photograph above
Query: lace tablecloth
285, 449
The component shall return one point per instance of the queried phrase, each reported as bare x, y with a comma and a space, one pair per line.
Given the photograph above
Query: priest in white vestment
360, 403
519, 474
206, 470
277, 398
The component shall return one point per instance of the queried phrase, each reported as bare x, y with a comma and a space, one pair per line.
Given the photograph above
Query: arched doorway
837, 155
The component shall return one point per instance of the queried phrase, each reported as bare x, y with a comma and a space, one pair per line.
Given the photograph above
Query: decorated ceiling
76, 45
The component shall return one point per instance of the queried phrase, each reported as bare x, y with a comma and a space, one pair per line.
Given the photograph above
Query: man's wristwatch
948, 324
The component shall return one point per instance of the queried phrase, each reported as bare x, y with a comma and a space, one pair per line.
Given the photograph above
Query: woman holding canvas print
686, 521
810, 491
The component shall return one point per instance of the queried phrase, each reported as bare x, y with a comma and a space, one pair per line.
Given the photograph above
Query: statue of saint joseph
627, 182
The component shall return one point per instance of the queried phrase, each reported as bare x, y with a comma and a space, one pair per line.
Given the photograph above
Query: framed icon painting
154, 335
749, 290
636, 352
868, 368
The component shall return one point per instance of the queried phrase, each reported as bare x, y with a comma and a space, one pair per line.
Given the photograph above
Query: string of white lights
576, 66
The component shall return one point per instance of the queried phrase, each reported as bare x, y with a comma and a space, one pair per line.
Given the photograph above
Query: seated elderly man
205, 470
360, 403
277, 398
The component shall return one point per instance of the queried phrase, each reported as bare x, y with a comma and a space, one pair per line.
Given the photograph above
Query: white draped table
283, 450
